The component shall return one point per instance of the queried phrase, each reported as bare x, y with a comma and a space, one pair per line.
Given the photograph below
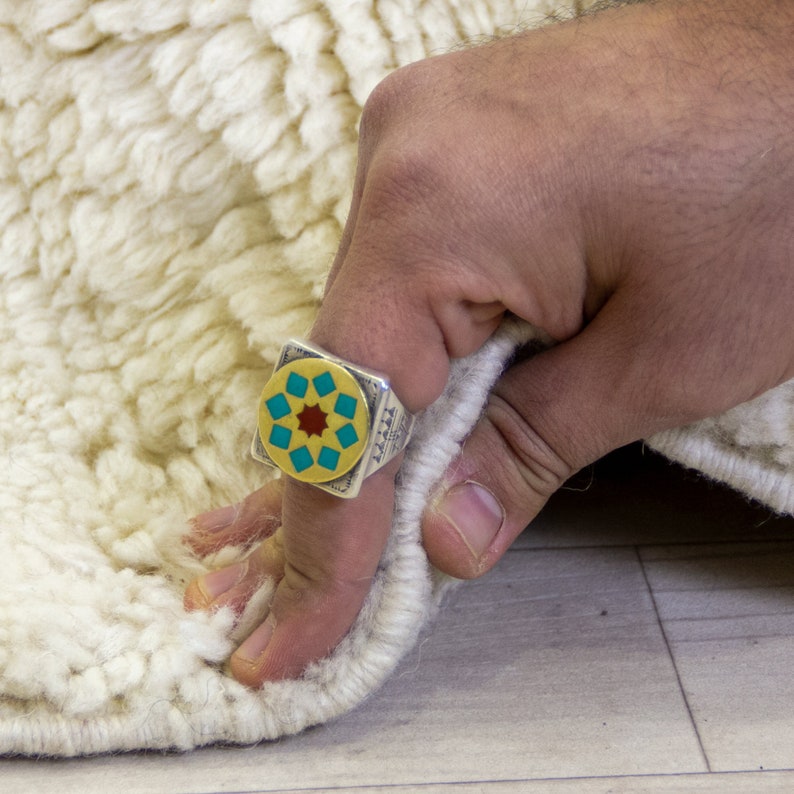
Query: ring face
314, 420
327, 422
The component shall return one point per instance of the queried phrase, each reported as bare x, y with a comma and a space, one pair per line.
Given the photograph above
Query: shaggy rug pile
174, 180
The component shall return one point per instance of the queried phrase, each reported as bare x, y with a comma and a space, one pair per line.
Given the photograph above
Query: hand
623, 182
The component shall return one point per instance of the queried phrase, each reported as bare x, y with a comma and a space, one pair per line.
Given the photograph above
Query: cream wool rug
175, 175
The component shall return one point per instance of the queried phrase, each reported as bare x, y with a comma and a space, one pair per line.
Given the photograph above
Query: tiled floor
638, 638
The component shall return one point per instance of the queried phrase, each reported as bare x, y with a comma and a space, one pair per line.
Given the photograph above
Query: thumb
547, 417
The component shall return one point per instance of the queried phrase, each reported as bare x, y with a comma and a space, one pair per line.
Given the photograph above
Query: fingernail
256, 643
215, 520
219, 582
475, 513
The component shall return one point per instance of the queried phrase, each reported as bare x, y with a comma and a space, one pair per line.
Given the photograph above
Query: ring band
327, 422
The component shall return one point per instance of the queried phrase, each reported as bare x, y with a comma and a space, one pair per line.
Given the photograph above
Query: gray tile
728, 611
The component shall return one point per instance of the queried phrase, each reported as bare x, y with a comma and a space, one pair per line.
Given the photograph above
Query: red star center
312, 420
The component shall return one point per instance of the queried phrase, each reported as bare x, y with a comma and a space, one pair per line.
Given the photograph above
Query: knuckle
404, 158
314, 577
389, 100
405, 180
535, 469
378, 109
310, 590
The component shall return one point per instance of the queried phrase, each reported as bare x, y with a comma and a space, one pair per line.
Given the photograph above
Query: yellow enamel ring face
313, 420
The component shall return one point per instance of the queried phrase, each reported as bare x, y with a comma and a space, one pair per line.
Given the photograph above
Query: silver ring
327, 422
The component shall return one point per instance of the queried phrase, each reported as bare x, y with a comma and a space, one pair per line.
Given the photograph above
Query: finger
234, 585
331, 554
548, 417
257, 517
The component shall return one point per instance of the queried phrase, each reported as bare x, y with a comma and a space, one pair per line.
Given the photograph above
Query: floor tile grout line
415, 786
672, 658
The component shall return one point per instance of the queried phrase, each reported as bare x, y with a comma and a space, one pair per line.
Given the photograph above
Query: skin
625, 183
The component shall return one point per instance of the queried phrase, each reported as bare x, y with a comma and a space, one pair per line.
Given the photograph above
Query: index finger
331, 548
